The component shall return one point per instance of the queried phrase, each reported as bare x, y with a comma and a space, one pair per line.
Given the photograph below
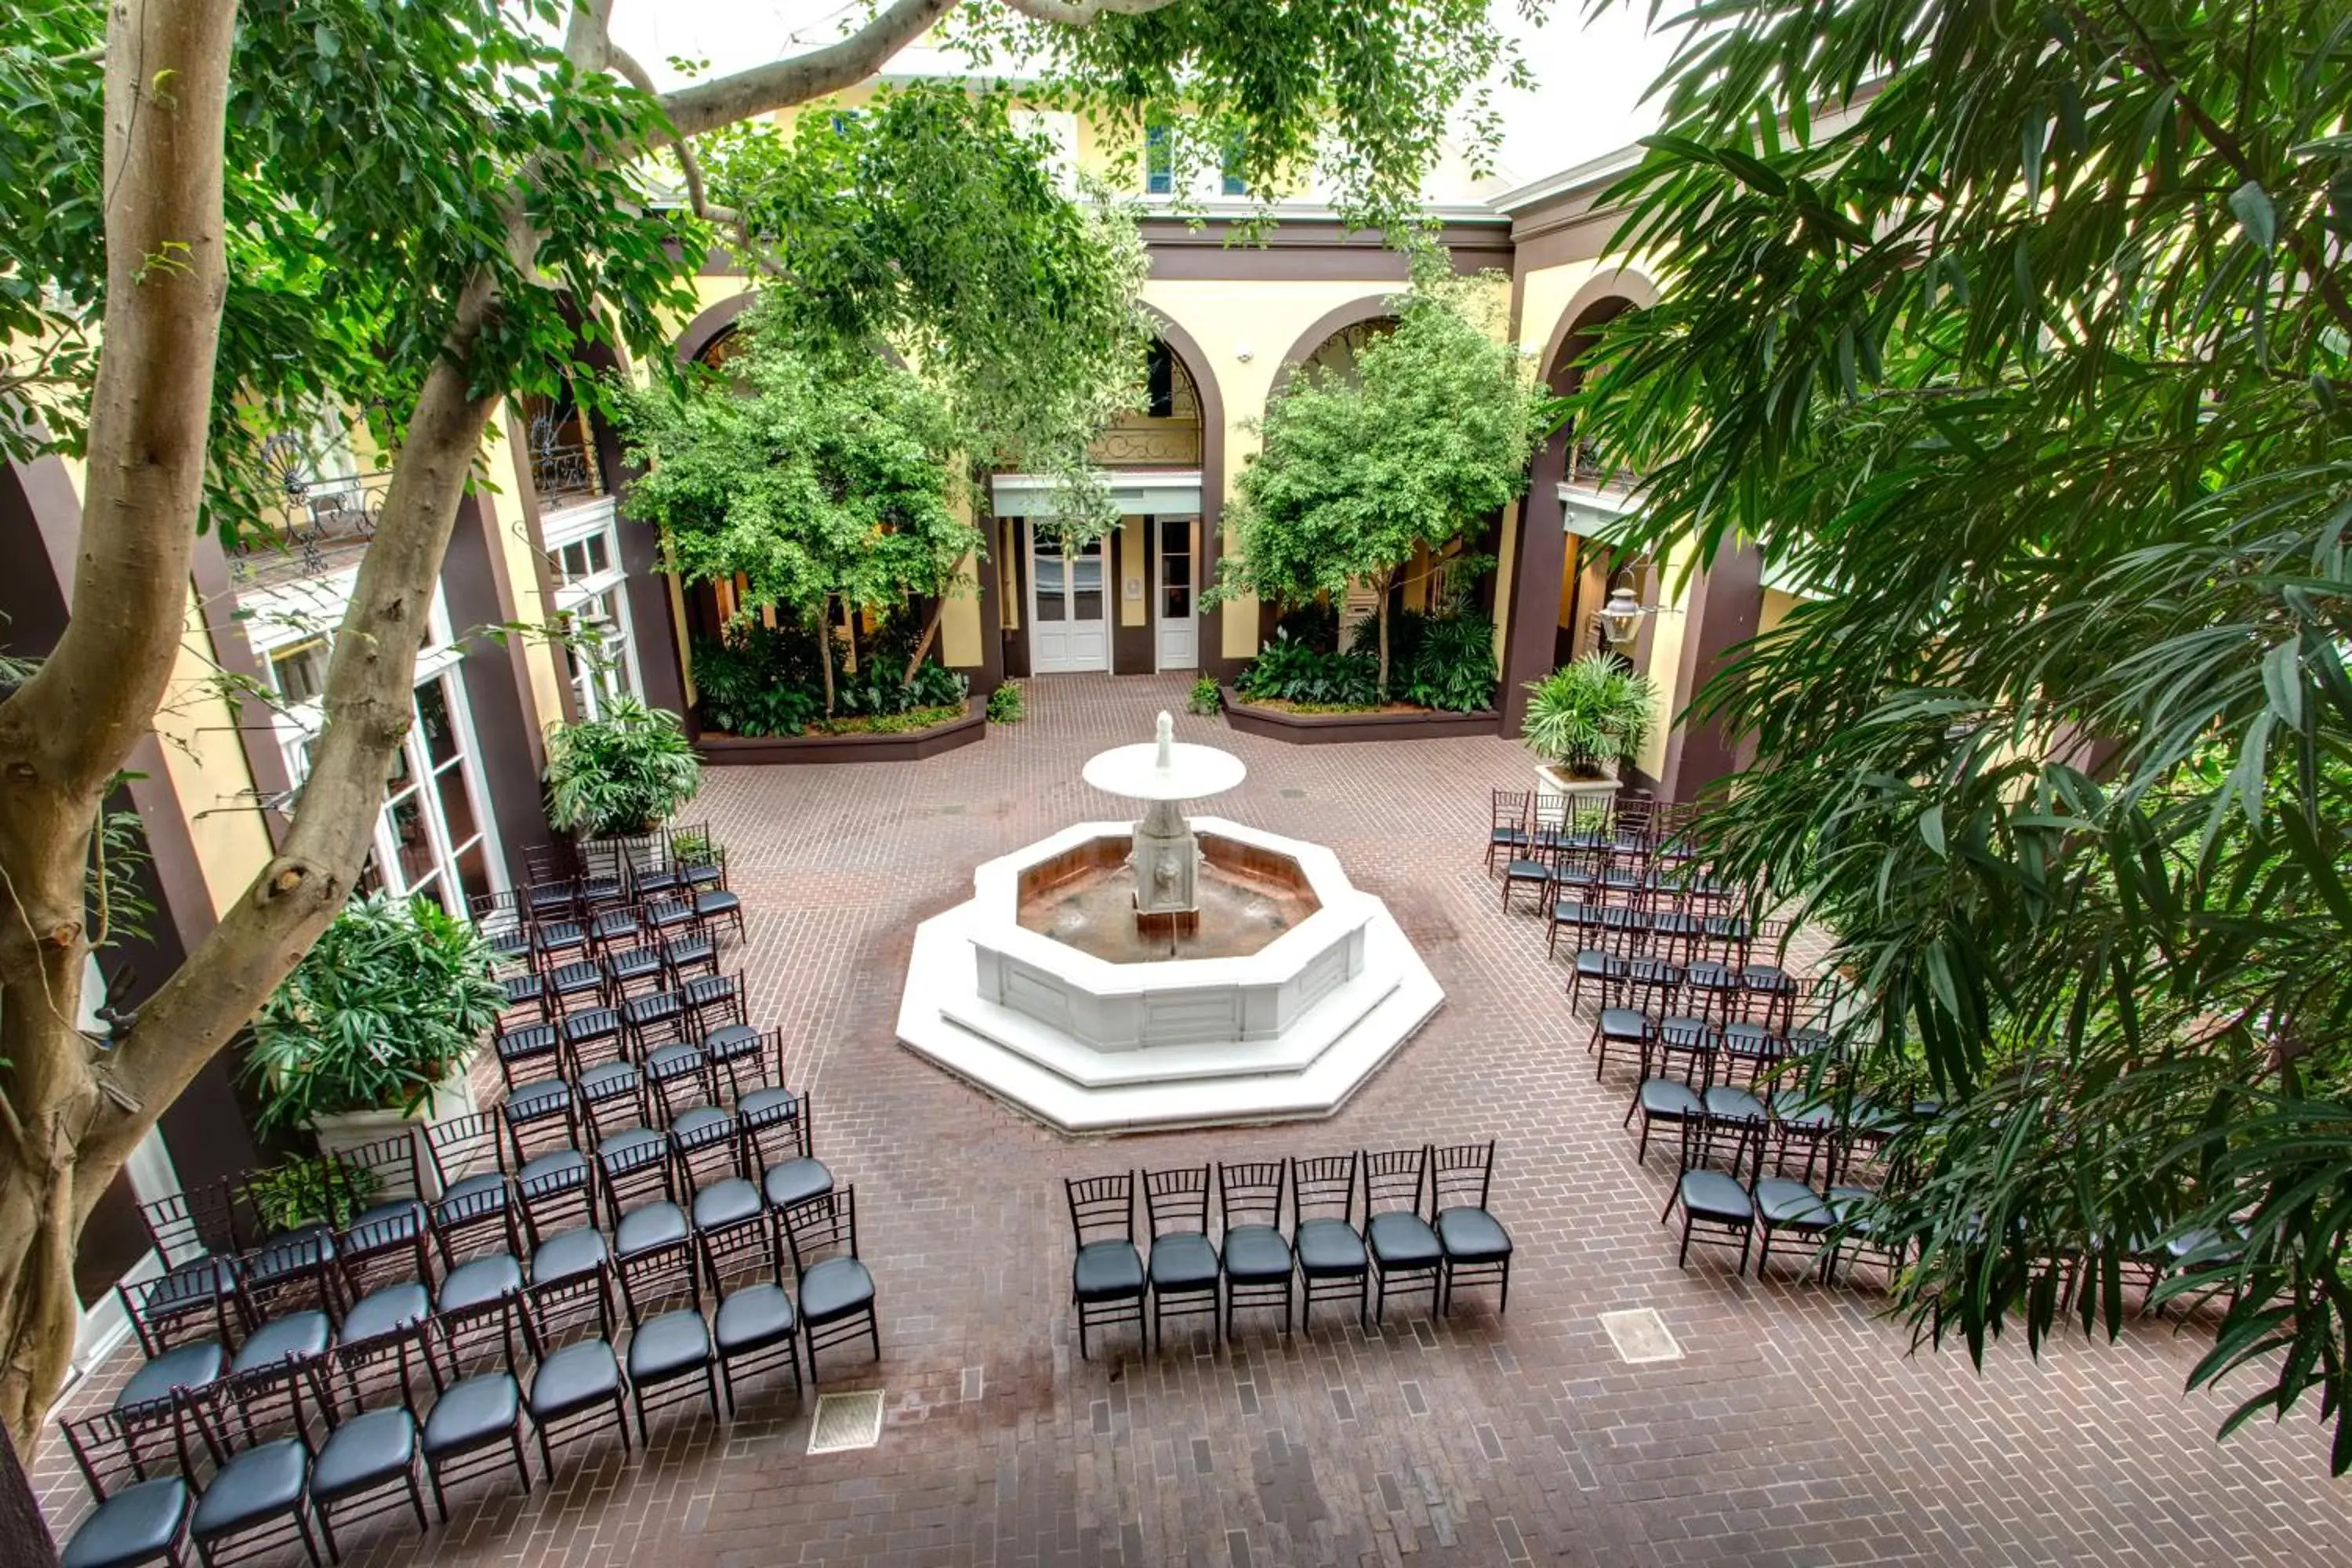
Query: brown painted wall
1726, 602
498, 684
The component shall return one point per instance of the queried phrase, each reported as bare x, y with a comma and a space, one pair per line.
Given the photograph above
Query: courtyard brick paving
1797, 1428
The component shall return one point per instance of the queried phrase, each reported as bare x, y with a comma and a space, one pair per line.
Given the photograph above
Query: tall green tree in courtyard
821, 481
217, 214
1426, 439
2019, 332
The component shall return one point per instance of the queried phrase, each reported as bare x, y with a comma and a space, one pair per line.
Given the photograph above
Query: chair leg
1682, 1258
302, 1523
522, 1460
416, 1499
1503, 1302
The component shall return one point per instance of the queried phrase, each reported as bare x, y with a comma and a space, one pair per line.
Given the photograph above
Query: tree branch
695, 194
779, 84
1083, 13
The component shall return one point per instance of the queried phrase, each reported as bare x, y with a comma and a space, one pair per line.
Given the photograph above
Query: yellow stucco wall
204, 760
539, 656
1669, 627
1777, 605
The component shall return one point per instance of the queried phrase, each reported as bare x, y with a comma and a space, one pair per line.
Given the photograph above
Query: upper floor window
1160, 159
299, 670
1229, 170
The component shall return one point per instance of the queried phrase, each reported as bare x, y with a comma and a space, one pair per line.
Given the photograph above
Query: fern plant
1587, 715
624, 773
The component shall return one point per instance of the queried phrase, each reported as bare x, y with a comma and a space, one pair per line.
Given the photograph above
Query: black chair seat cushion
725, 1203
1183, 1260
386, 1308
669, 1346
649, 1225
568, 1255
365, 1451
726, 1042
138, 1524
1791, 1205
384, 1225
834, 1288
1472, 1236
1107, 1271
191, 1365
653, 1007
1403, 1240
1728, 1104
475, 1197
752, 1319
574, 1378
1749, 1041
1670, 1097
1329, 1246
1847, 1209
634, 963
632, 1149
262, 1482
478, 1410
1792, 1107
595, 1023
540, 1097
478, 1282
702, 1125
718, 901
281, 1256
795, 1181
1522, 870
766, 1106
305, 1333
1594, 963
681, 1060
557, 1171
1711, 1194
1256, 1255
607, 1081
1624, 1024
199, 1282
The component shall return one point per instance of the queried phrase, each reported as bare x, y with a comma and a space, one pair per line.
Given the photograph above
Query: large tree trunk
65, 732
1381, 614
923, 643
825, 649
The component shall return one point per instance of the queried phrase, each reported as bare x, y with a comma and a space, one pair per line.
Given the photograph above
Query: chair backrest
464, 1145
611, 1098
1394, 1179
825, 1224
1102, 1208
341, 1381
1177, 1199
243, 1408
1322, 1184
110, 1459
385, 1170
1510, 807
1710, 1139
540, 1119
658, 1277
192, 1222
1460, 1174
695, 846
678, 1076
610, 924
550, 862
1251, 1193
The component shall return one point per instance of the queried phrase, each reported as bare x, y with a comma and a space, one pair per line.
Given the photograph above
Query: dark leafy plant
1443, 661
1590, 713
393, 998
1005, 705
622, 774
1206, 699
313, 1190
1315, 624
1291, 672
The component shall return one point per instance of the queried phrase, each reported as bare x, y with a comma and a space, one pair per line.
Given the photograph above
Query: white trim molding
1137, 492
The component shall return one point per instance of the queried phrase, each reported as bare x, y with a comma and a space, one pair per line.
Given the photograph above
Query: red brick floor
1799, 1427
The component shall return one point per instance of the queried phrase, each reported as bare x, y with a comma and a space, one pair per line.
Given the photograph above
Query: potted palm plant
1587, 719
621, 774
376, 1025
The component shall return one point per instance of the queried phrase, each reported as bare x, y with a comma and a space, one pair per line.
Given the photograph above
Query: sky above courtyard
1590, 74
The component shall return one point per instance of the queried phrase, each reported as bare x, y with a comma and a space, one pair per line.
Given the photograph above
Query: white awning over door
1137, 492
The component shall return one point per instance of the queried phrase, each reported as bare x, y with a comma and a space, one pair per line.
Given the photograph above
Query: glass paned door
1174, 609
1069, 626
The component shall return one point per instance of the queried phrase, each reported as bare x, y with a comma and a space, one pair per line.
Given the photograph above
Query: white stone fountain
1164, 973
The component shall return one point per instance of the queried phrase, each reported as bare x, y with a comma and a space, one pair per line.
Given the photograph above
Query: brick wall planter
1324, 728
721, 750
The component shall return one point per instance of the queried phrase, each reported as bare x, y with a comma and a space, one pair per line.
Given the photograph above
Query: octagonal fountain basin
1274, 1000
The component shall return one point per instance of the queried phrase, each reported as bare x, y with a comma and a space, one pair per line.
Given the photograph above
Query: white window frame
303, 611
576, 525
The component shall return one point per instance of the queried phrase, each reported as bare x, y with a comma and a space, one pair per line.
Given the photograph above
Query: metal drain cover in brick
847, 1421
1639, 1335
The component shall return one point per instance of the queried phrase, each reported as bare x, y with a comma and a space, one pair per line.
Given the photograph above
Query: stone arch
1187, 351
712, 325
1604, 295
1354, 312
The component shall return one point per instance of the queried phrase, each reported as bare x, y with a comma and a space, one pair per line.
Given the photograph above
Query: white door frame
1160, 620
1037, 663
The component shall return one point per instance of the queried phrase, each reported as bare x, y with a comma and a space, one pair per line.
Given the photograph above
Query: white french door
1069, 613
1178, 624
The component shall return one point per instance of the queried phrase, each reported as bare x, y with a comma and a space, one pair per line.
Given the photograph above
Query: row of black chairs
1424, 1220
1525, 821
708, 1010
276, 1474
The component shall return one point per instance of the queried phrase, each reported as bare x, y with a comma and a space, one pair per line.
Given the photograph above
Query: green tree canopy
819, 481
1428, 439
2031, 358
926, 221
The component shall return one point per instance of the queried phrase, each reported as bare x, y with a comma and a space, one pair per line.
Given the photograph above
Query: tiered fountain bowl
1164, 973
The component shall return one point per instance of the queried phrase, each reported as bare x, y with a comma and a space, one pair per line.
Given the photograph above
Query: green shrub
622, 774
1443, 661
1205, 700
1315, 623
312, 1190
764, 680
1289, 671
390, 1000
1004, 704
1588, 713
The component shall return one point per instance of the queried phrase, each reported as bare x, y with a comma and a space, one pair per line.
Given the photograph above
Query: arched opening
1592, 492
1337, 355
1165, 433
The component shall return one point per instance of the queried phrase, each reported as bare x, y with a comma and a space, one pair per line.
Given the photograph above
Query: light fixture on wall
1621, 617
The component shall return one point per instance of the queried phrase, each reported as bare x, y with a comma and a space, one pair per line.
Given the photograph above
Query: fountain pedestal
1166, 862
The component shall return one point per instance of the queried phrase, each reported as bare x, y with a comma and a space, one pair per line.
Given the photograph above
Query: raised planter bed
1324, 728
912, 745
